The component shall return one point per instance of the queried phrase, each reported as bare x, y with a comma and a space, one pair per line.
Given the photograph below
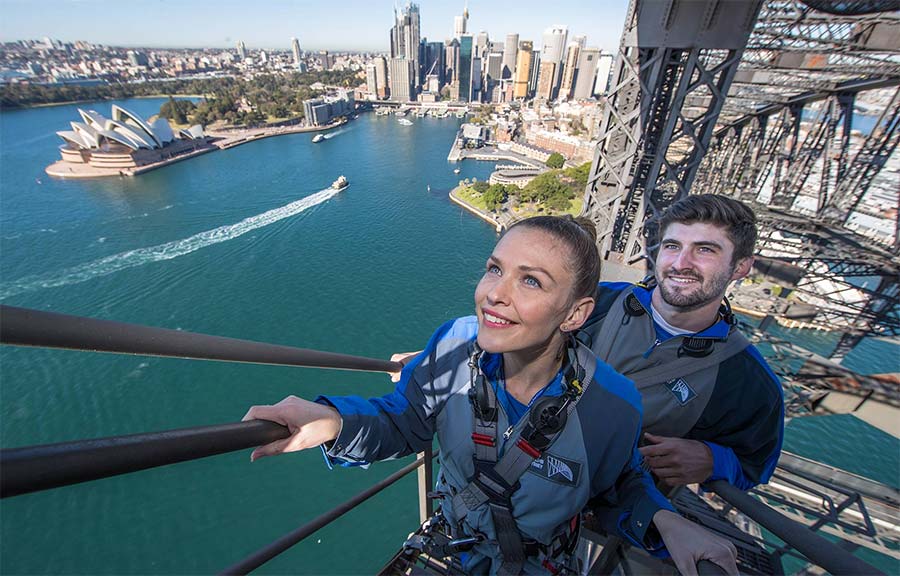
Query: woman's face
525, 295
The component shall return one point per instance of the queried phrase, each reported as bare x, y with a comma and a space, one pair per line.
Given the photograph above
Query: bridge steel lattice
757, 100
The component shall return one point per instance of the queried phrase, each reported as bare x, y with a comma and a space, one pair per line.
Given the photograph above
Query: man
713, 409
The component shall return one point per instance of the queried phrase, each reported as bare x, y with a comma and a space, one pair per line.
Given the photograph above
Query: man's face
694, 265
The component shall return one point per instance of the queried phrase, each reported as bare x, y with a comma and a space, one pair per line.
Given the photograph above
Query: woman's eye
493, 269
532, 281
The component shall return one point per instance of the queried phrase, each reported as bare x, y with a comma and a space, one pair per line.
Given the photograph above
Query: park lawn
471, 197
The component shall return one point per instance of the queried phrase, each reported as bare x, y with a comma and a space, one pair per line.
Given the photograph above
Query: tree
480, 187
555, 160
494, 196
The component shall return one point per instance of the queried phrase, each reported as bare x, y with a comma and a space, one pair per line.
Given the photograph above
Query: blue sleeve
726, 466
403, 421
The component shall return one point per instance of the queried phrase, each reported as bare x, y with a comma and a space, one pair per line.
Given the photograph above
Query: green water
239, 243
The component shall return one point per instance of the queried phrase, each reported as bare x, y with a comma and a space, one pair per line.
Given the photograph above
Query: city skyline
271, 24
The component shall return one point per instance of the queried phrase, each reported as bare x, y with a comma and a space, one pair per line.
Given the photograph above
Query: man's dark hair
734, 216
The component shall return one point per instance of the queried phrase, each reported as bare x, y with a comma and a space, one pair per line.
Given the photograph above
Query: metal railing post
426, 485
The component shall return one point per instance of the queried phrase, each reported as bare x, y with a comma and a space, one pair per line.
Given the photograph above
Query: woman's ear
578, 314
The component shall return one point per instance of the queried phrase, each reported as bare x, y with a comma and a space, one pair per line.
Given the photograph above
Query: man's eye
532, 281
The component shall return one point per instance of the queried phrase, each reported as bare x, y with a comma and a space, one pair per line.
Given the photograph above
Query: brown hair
734, 216
580, 235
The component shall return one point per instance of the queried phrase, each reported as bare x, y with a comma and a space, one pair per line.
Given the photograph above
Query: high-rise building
534, 71
381, 77
295, 50
460, 23
581, 40
451, 55
553, 50
402, 80
433, 60
405, 38
587, 72
464, 67
604, 67
242, 50
522, 68
567, 85
545, 80
510, 54
482, 41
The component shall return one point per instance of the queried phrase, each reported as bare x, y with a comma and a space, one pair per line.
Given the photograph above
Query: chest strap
494, 482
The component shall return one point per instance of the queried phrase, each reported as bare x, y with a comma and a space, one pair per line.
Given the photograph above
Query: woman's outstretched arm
311, 425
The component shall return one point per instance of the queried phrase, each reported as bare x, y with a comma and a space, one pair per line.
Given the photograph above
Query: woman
529, 423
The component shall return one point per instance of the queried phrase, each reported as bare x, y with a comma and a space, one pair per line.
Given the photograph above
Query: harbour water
245, 243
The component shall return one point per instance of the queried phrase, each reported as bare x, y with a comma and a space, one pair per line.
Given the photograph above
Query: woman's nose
499, 292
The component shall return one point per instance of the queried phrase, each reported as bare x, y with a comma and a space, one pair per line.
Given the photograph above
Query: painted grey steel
34, 468
26, 327
820, 551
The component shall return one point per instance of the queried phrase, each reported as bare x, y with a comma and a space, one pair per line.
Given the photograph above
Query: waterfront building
586, 73
295, 50
510, 56
402, 77
323, 110
123, 141
604, 69
405, 39
241, 50
553, 50
522, 68
567, 84
546, 80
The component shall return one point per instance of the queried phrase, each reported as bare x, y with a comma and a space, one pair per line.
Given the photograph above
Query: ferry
340, 183
318, 138
405, 122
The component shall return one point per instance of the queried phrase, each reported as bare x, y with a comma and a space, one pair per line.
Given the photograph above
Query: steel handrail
820, 551
27, 327
266, 553
34, 468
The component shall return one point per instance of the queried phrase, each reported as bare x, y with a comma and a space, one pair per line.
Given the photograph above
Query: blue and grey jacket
595, 455
735, 407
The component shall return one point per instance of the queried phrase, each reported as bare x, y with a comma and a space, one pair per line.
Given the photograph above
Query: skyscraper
451, 55
533, 71
522, 68
587, 71
552, 50
604, 66
510, 53
402, 80
464, 66
546, 78
405, 37
381, 77
242, 50
567, 85
295, 48
433, 60
460, 22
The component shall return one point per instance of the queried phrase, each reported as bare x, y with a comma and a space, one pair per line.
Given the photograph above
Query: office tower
553, 50
546, 79
242, 50
464, 67
494, 66
263, 57
522, 68
371, 78
433, 61
381, 77
510, 54
581, 40
405, 38
451, 55
587, 72
567, 85
295, 49
481, 44
604, 67
402, 80
460, 22
533, 71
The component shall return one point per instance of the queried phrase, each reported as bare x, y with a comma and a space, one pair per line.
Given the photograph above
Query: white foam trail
336, 133
139, 257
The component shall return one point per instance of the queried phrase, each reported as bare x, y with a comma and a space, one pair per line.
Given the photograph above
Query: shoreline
476, 211
66, 103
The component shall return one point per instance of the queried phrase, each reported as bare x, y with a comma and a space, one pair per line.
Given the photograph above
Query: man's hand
677, 461
403, 358
688, 543
310, 423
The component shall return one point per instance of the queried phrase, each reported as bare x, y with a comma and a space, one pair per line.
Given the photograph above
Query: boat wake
139, 257
337, 132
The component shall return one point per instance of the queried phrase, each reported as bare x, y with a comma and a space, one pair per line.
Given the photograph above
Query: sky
358, 25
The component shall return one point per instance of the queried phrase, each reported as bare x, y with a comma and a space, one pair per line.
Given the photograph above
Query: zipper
652, 347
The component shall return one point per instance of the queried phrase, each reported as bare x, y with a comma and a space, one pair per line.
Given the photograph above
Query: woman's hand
403, 358
311, 424
689, 543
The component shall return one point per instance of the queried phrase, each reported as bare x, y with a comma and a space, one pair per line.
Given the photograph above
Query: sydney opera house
125, 141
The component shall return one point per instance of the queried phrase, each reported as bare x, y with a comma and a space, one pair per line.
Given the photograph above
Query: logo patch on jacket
556, 469
681, 390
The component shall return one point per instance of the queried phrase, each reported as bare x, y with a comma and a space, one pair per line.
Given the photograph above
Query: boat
456, 171
340, 183
405, 122
318, 138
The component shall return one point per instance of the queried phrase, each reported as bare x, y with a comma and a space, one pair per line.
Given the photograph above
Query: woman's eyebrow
537, 269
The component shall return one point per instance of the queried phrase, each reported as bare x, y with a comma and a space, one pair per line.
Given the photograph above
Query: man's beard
711, 290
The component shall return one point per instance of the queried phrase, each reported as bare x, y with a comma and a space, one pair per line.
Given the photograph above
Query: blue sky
337, 24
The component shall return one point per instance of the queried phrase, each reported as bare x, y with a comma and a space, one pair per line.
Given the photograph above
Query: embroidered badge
681, 390
556, 469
